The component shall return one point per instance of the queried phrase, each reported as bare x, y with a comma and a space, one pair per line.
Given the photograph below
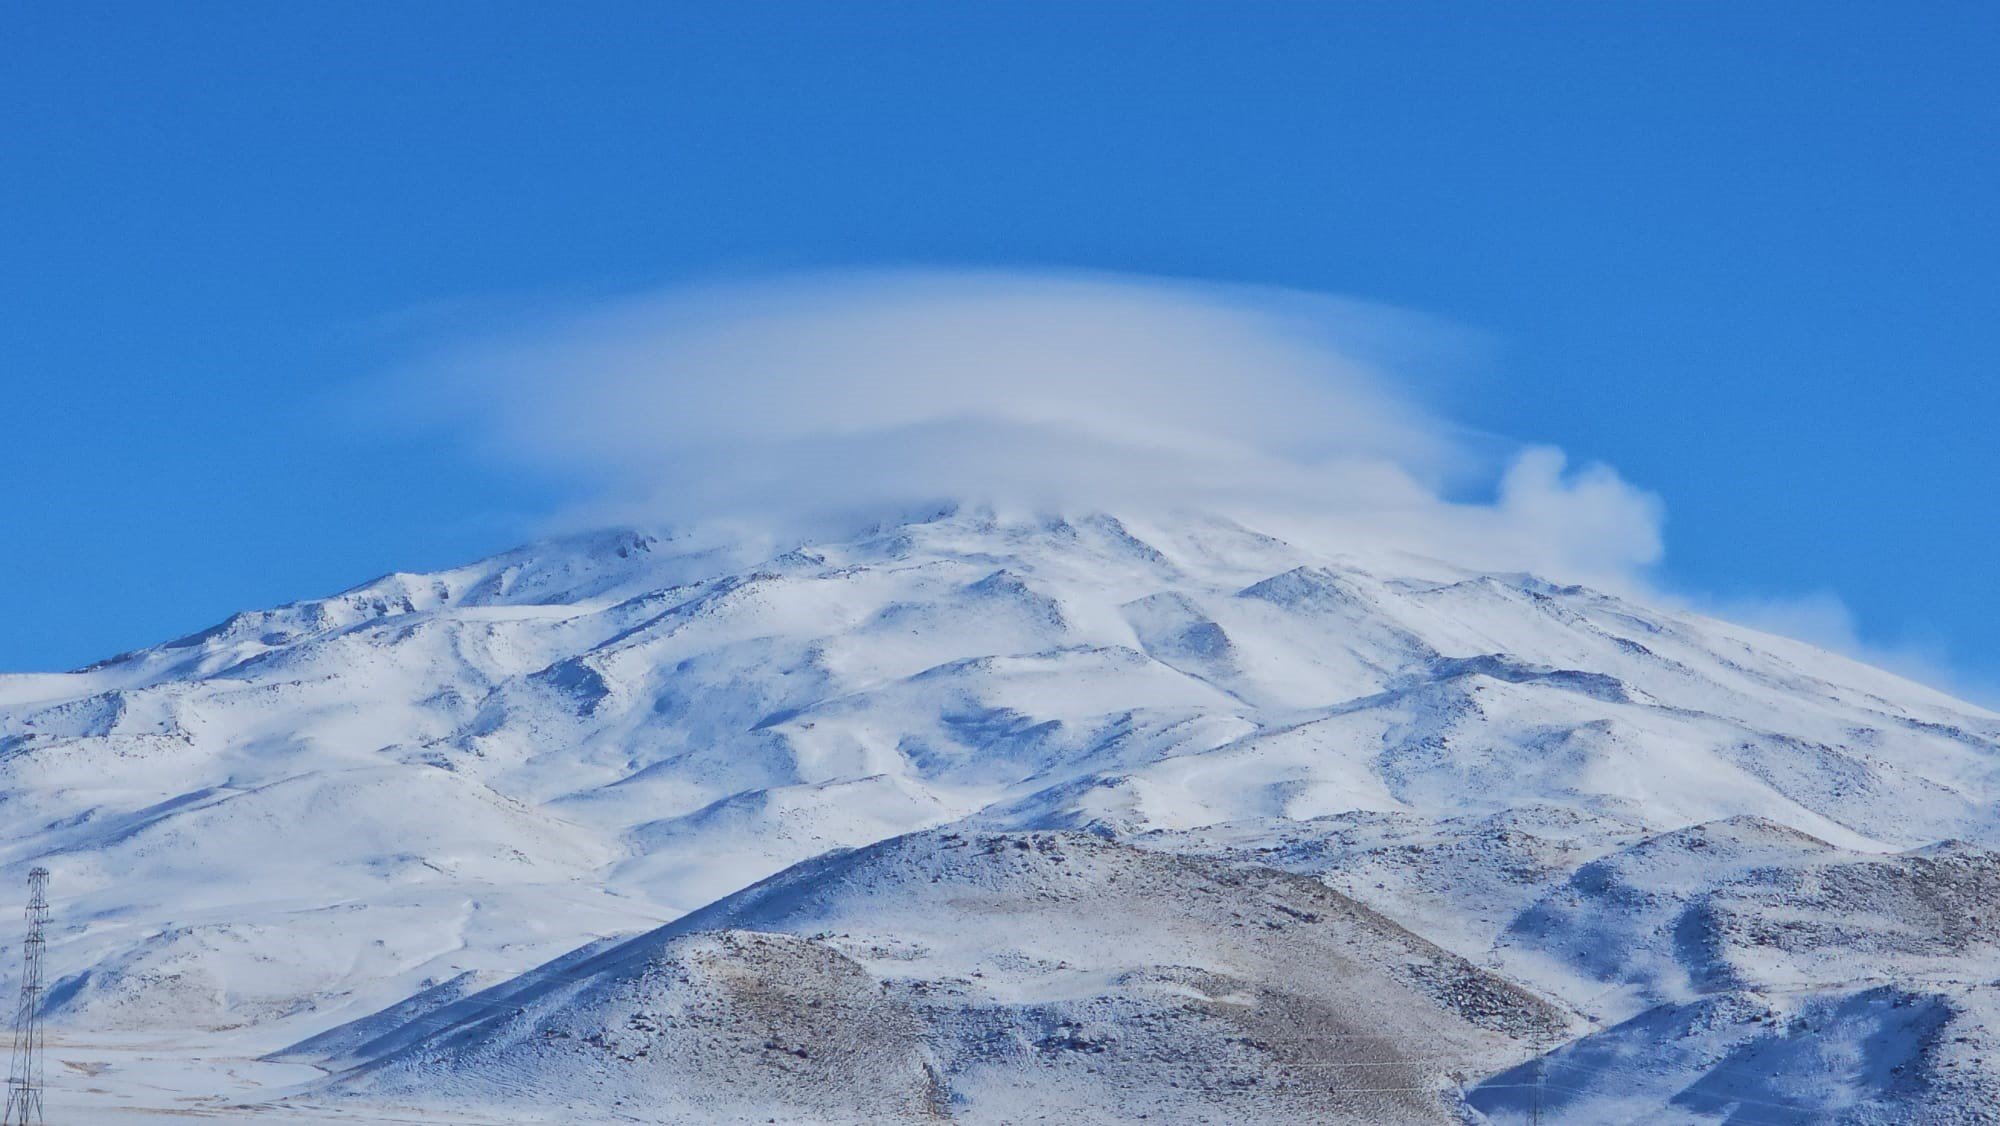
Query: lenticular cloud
799, 398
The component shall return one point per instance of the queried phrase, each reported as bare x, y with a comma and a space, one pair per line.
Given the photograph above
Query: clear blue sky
1746, 253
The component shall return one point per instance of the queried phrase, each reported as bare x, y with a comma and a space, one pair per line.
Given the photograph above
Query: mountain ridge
277, 826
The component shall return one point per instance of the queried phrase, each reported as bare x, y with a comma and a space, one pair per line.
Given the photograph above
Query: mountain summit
971, 817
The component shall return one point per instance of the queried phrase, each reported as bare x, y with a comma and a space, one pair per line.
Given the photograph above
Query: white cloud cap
794, 399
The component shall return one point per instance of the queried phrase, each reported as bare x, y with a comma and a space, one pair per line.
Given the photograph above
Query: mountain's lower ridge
973, 975
982, 818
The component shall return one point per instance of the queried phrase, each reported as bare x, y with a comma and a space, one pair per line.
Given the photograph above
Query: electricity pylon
24, 1080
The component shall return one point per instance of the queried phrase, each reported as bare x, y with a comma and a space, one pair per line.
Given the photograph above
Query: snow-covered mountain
972, 817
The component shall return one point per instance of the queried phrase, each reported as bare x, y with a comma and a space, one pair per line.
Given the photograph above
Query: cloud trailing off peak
805, 397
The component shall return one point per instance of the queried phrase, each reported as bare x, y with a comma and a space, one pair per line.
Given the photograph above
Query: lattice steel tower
24, 1081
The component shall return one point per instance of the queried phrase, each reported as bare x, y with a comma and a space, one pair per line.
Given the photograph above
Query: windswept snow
977, 976
1715, 865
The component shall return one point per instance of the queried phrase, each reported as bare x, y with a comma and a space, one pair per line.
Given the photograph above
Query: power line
24, 1079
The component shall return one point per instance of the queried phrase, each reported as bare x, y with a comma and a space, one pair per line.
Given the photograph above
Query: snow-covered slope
390, 799
977, 976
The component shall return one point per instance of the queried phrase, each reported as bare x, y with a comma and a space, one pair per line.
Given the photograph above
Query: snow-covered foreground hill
1163, 817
